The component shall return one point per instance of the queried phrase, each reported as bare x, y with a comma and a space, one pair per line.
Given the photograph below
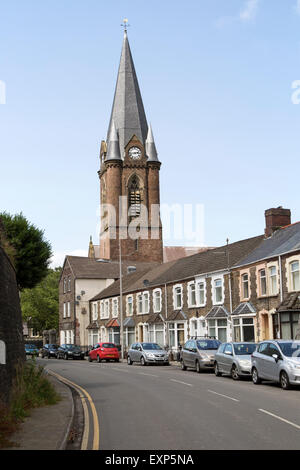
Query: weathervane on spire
125, 24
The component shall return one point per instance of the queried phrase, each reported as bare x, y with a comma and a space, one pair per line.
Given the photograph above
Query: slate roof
245, 308
89, 268
284, 240
185, 268
217, 312
291, 302
128, 112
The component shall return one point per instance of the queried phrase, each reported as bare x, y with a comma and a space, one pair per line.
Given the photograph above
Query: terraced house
244, 291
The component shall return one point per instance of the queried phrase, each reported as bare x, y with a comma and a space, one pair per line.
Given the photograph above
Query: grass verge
31, 389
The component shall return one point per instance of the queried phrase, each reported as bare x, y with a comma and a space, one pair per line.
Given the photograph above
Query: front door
141, 333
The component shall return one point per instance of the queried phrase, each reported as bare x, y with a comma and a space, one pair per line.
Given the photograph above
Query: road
162, 408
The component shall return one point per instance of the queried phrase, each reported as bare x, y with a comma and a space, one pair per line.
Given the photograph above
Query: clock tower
129, 175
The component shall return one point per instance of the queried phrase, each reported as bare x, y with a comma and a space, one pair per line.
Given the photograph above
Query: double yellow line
84, 396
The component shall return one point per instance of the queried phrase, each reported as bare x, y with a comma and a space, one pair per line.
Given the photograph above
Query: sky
217, 84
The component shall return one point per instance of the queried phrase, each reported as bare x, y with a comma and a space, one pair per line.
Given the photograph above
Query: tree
32, 252
40, 304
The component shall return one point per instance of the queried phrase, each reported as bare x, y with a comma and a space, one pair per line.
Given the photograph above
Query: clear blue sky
216, 80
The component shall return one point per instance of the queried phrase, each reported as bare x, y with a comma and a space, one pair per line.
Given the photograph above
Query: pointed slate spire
113, 147
128, 112
151, 151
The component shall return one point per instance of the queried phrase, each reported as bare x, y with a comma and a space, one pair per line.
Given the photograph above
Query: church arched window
134, 197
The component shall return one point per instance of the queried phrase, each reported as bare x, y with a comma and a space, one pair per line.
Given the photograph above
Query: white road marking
179, 382
225, 396
281, 419
120, 370
150, 375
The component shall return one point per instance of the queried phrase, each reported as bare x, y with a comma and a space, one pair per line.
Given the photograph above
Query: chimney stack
275, 219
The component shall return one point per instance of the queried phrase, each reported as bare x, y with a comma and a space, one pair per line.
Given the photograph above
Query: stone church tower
129, 175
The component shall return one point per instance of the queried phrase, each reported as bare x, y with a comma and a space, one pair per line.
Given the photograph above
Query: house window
140, 303
263, 282
273, 280
176, 335
201, 293
106, 309
192, 294
129, 336
129, 305
177, 297
157, 300
115, 307
65, 310
95, 312
289, 324
218, 329
102, 309
218, 291
245, 286
114, 335
69, 309
295, 275
156, 334
69, 284
243, 329
146, 302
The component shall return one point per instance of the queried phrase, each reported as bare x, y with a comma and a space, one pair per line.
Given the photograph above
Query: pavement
47, 428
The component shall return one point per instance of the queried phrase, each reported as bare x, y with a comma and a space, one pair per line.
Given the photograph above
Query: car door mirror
194, 350
228, 353
276, 357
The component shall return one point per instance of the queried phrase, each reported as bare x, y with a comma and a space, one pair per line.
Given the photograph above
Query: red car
104, 351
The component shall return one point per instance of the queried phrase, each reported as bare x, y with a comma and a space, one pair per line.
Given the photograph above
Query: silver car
147, 353
199, 354
234, 359
278, 361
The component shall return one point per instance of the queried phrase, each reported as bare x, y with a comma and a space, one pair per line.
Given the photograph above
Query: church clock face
135, 153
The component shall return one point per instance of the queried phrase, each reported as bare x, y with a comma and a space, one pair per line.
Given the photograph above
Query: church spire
151, 151
128, 114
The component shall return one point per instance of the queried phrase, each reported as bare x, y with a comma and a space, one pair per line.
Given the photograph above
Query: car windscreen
291, 349
108, 345
53, 346
72, 347
30, 346
208, 344
150, 346
244, 349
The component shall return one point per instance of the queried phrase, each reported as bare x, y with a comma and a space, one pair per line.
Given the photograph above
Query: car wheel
183, 366
198, 368
234, 373
284, 381
129, 361
143, 362
117, 360
98, 359
217, 372
66, 357
255, 378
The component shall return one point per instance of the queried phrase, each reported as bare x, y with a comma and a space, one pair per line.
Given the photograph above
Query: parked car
31, 350
49, 350
147, 353
104, 351
234, 359
68, 351
278, 361
199, 354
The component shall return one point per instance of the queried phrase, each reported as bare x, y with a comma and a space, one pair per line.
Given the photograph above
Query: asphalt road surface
164, 408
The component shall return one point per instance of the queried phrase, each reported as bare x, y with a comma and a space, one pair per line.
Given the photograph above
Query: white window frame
155, 292
106, 308
217, 277
189, 291
102, 309
139, 303
198, 283
260, 282
65, 310
127, 305
175, 305
269, 267
95, 311
115, 307
245, 283
69, 310
146, 295
289, 274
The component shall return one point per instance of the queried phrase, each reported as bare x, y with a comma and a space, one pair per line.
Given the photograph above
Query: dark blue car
31, 350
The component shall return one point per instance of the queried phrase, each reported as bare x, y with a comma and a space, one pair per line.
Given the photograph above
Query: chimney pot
275, 219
